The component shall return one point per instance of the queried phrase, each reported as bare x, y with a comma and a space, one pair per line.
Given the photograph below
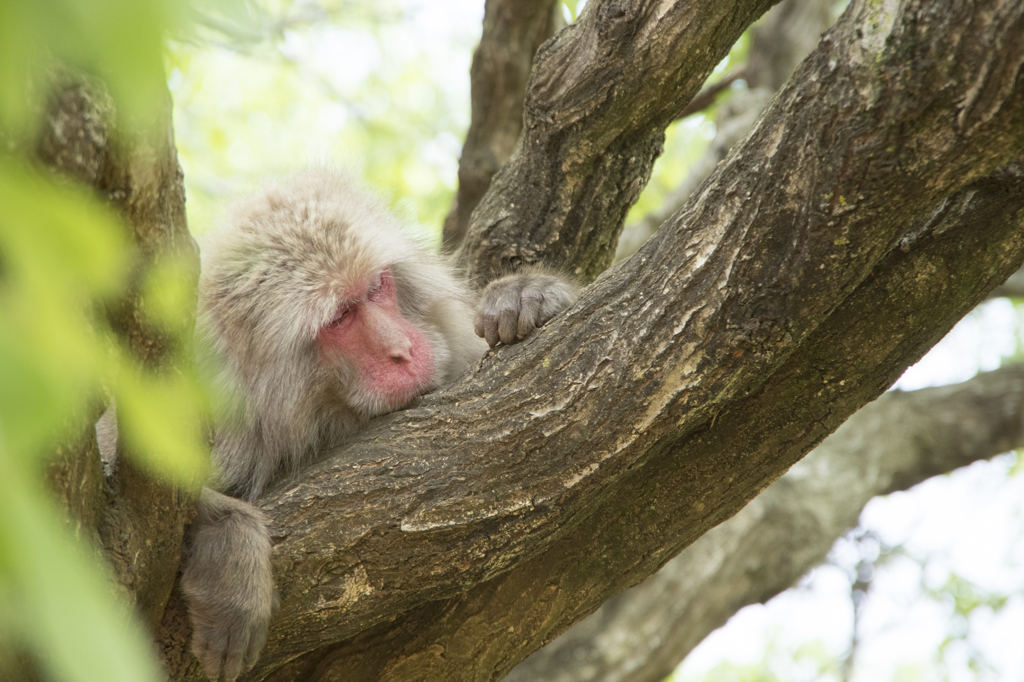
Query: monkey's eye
343, 313
375, 286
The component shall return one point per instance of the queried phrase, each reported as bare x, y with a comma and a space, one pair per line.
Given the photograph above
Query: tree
876, 201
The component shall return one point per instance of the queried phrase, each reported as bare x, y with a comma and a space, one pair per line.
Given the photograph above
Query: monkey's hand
228, 584
513, 306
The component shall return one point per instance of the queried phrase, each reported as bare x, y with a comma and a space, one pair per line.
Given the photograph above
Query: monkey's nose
400, 356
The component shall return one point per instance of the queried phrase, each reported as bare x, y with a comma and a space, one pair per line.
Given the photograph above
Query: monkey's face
370, 337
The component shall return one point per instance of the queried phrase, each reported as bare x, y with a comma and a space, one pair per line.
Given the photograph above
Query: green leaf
160, 418
59, 251
60, 605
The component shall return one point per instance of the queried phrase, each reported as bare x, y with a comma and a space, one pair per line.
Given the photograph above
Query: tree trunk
137, 520
513, 30
779, 43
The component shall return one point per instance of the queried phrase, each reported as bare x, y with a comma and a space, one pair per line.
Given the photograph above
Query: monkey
318, 313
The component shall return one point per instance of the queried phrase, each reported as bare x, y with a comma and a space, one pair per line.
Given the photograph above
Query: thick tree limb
602, 92
895, 442
732, 124
454, 515
139, 521
870, 209
513, 30
779, 43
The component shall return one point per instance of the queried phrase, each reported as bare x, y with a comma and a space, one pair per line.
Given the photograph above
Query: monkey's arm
228, 584
513, 306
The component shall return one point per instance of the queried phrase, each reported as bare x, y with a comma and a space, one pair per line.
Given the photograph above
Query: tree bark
600, 96
513, 30
899, 440
1012, 287
779, 43
421, 519
138, 520
875, 203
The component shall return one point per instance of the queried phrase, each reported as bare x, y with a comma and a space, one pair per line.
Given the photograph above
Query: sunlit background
383, 88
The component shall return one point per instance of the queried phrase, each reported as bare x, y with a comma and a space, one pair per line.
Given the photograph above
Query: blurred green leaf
159, 418
60, 250
79, 238
64, 254
17, 51
65, 615
121, 42
168, 292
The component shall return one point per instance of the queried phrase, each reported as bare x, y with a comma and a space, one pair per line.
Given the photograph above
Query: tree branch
513, 30
601, 95
706, 97
1013, 287
901, 439
733, 122
779, 43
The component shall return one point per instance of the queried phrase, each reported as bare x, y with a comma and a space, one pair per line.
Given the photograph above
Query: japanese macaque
320, 313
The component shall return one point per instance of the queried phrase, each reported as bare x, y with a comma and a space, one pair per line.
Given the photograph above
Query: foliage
63, 254
119, 42
357, 87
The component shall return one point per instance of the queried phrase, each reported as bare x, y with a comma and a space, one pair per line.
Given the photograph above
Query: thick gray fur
269, 282
228, 584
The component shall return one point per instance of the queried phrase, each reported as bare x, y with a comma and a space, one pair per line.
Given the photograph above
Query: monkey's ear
513, 306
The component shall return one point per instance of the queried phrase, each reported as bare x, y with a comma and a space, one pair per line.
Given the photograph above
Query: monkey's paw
229, 642
513, 306
228, 585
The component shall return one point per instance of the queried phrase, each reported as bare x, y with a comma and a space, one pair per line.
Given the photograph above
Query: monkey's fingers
252, 654
208, 645
233, 656
497, 319
485, 328
258, 637
501, 325
529, 312
508, 325
512, 307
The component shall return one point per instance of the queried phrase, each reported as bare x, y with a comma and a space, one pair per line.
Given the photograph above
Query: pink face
393, 360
